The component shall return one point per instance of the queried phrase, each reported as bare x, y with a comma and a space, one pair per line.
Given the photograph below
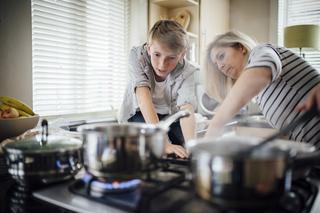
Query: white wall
138, 22
16, 49
257, 18
273, 22
214, 19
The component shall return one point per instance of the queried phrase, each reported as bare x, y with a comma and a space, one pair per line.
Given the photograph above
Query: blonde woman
238, 70
161, 83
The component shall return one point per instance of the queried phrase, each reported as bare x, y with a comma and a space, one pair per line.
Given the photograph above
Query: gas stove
166, 189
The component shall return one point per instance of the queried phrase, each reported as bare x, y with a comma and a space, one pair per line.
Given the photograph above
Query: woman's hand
313, 98
213, 131
176, 149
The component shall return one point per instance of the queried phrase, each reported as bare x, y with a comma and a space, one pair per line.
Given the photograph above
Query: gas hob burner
137, 195
98, 187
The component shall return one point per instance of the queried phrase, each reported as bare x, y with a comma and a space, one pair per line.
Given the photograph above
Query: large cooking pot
124, 151
237, 172
224, 177
43, 158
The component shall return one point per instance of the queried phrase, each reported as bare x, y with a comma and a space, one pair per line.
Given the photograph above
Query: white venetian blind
79, 53
293, 12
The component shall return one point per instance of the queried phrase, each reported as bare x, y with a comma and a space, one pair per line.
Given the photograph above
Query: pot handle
44, 133
172, 118
307, 159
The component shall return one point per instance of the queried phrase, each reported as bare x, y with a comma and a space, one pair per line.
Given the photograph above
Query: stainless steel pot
43, 159
223, 177
124, 151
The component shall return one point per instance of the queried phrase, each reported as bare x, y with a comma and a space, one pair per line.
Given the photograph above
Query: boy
161, 83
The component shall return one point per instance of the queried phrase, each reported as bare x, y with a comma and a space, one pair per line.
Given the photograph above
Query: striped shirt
292, 80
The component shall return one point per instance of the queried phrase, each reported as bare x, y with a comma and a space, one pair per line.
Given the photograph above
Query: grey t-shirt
292, 79
179, 87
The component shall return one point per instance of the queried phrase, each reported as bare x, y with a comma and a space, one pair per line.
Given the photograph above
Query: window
79, 51
292, 12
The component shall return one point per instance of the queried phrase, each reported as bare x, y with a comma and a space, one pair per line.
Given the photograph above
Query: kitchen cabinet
185, 9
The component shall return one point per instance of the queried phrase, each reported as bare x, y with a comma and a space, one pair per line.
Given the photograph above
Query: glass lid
53, 143
43, 143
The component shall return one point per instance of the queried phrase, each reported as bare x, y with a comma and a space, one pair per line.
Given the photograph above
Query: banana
4, 107
19, 105
23, 113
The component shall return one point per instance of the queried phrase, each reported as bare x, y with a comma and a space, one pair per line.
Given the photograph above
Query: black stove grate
139, 199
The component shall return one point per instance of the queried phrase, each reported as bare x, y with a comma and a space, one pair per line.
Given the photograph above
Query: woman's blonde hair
169, 33
216, 83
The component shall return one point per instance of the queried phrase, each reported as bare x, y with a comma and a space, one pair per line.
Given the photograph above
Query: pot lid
43, 143
54, 143
231, 145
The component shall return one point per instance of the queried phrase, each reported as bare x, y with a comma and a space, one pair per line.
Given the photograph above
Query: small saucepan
124, 151
43, 158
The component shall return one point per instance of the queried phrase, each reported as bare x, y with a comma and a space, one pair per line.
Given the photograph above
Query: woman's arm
248, 85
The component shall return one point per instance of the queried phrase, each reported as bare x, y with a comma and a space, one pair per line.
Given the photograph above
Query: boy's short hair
170, 33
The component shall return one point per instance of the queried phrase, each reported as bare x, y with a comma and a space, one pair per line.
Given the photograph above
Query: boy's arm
188, 123
150, 116
186, 100
146, 106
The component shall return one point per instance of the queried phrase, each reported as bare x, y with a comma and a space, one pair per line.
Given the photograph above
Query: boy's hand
176, 149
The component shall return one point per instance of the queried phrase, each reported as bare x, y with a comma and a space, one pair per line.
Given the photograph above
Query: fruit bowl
12, 127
